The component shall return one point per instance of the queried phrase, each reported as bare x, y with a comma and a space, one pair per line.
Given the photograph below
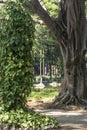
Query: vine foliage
16, 41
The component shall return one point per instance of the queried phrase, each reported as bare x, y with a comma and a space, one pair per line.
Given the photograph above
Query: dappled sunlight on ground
69, 118
40, 104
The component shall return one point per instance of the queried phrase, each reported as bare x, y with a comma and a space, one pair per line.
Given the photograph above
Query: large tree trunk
70, 31
73, 44
72, 88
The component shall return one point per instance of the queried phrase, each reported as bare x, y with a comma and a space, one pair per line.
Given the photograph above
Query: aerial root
68, 99
83, 102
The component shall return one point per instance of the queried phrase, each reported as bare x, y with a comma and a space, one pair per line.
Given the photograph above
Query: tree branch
41, 11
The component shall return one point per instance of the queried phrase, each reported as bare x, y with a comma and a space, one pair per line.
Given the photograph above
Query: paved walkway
69, 120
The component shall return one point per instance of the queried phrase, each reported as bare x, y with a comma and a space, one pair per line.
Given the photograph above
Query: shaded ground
70, 118
39, 104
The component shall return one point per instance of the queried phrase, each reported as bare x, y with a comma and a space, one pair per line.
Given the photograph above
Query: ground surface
70, 118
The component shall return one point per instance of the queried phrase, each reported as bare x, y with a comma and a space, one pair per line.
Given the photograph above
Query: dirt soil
69, 118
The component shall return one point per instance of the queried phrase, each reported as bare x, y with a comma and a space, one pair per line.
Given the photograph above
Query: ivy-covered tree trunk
70, 31
16, 64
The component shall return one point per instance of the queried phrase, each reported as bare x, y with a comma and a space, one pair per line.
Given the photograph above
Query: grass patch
45, 93
27, 119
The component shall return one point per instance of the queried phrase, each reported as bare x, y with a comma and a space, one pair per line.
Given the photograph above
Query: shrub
26, 119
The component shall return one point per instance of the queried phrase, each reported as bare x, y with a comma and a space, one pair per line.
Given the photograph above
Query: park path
68, 120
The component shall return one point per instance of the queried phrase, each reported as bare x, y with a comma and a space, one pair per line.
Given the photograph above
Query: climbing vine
16, 41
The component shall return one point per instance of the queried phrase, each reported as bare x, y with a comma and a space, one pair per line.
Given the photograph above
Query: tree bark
70, 31
73, 43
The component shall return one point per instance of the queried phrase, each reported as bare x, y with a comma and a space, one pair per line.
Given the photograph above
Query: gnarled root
66, 99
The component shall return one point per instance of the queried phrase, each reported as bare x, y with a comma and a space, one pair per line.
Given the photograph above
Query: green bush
16, 41
27, 119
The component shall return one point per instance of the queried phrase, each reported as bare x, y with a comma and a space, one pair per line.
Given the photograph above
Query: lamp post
40, 66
